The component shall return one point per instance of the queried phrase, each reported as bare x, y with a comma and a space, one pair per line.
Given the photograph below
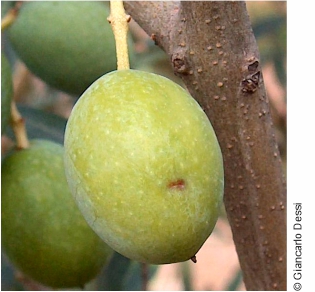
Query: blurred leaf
122, 274
8, 279
279, 63
236, 281
186, 276
42, 125
268, 25
133, 280
113, 276
270, 33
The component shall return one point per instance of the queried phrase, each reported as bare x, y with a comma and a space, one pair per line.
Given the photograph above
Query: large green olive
43, 232
145, 167
68, 44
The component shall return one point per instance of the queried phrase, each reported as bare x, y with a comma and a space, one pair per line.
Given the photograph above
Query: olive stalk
17, 121
10, 16
18, 126
119, 23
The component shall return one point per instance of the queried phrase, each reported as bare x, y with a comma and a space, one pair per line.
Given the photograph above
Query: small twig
10, 16
144, 276
18, 126
17, 122
119, 22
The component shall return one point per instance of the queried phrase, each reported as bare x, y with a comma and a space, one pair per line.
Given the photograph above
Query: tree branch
212, 48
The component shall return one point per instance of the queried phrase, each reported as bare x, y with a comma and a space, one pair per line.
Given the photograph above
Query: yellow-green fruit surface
144, 166
6, 92
42, 230
68, 44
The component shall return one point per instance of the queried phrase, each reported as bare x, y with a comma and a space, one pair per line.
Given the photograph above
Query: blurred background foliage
46, 110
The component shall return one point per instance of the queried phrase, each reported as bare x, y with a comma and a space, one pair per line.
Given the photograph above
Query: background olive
43, 231
68, 44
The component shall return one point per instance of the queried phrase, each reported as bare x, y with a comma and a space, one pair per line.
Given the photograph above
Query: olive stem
10, 16
18, 126
17, 121
119, 23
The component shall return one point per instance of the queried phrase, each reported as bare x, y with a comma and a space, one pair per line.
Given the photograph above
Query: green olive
144, 166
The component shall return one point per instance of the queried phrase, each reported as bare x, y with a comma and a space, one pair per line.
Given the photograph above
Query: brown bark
212, 48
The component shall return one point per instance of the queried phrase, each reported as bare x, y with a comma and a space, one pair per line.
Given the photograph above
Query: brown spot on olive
177, 184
